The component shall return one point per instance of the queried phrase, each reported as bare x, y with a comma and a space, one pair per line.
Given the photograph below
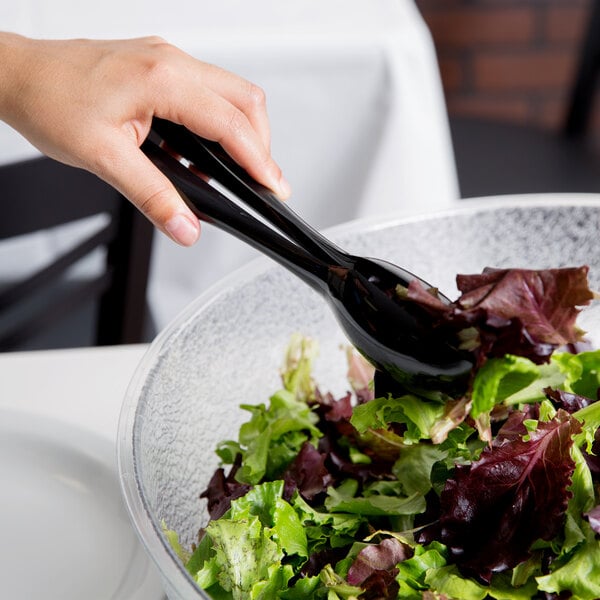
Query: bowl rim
146, 525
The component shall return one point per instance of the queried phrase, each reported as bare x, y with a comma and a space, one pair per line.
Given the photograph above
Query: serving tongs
395, 335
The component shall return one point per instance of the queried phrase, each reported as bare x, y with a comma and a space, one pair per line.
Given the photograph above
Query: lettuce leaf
579, 576
500, 378
493, 510
273, 436
251, 545
523, 312
582, 373
383, 556
296, 374
419, 416
344, 498
509, 515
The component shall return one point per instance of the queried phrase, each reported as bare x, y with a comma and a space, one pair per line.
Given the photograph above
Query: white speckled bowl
227, 347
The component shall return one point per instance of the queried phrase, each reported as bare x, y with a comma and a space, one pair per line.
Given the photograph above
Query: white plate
65, 533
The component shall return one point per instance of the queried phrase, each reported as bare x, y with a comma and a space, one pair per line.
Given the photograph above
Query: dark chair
501, 158
52, 308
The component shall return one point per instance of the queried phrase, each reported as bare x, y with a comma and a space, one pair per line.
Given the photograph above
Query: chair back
40, 194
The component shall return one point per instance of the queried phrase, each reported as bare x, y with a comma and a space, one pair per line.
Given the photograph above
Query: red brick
565, 23
510, 109
464, 27
531, 70
452, 72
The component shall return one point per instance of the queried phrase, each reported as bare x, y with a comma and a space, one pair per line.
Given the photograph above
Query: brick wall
508, 59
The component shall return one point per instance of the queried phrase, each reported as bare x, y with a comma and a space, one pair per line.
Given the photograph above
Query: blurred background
510, 72
377, 108
513, 60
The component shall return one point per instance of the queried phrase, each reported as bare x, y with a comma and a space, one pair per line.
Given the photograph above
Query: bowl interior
226, 349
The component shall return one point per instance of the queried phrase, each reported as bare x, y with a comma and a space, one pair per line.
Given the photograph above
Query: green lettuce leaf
448, 581
582, 375
326, 529
344, 499
413, 571
578, 576
296, 373
244, 554
413, 467
252, 543
273, 436
419, 416
498, 379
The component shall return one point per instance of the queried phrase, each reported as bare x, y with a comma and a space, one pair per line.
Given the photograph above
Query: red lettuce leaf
516, 493
333, 409
567, 400
377, 557
222, 490
525, 312
317, 560
545, 301
593, 517
338, 435
307, 474
380, 585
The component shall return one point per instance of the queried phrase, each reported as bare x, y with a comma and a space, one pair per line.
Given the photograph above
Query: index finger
212, 116
244, 95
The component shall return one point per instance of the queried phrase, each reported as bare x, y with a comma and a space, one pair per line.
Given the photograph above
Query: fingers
133, 174
244, 95
223, 107
220, 121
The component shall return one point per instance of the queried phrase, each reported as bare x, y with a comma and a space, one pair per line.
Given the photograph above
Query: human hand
90, 104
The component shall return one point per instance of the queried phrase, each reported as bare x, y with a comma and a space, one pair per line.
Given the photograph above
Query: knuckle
235, 123
160, 63
155, 40
256, 97
150, 200
101, 159
160, 70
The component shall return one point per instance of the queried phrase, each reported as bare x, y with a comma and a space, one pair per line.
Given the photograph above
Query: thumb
134, 175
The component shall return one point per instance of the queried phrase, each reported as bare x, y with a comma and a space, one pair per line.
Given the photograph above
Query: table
354, 96
59, 413
83, 387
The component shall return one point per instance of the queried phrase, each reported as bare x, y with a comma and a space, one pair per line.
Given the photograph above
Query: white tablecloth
59, 412
82, 387
357, 112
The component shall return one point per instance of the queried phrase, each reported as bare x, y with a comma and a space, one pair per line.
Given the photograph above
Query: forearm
13, 51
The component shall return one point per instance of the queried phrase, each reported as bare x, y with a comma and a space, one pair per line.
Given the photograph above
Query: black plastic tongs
394, 335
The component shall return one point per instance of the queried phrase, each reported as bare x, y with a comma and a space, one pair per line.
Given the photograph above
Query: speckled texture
227, 348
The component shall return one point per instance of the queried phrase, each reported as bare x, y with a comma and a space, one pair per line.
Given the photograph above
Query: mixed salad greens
494, 493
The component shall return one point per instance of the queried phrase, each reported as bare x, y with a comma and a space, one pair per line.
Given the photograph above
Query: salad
413, 493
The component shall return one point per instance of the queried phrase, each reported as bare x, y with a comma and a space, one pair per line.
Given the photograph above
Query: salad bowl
227, 347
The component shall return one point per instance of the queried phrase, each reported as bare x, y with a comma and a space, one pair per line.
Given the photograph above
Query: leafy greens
418, 495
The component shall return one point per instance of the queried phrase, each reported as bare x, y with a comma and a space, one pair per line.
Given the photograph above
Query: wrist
13, 74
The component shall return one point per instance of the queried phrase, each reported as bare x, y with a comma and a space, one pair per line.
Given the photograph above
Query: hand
90, 104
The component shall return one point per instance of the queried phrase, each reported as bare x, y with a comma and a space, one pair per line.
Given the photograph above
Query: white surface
354, 95
83, 387
65, 531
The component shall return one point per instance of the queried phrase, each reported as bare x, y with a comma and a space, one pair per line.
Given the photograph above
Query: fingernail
182, 230
285, 189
